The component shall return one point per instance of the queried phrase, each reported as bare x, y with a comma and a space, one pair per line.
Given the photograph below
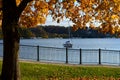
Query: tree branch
22, 6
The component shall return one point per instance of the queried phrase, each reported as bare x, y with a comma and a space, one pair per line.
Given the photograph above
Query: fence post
119, 58
38, 53
99, 56
66, 55
80, 56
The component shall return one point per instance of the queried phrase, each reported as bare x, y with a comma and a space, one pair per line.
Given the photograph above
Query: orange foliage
80, 12
34, 14
18, 2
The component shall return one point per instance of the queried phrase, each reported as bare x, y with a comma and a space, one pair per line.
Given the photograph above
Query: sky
64, 22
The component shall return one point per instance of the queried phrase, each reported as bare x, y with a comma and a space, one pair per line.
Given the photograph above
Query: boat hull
67, 45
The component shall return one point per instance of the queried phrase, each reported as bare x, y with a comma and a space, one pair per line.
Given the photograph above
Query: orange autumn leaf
80, 12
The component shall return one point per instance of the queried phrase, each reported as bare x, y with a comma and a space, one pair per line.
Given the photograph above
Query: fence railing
68, 55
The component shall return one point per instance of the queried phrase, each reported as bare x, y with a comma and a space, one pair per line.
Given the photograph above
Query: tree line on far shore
52, 31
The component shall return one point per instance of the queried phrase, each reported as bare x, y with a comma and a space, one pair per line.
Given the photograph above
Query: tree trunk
10, 68
11, 38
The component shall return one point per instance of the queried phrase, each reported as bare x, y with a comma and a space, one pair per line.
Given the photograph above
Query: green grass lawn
35, 71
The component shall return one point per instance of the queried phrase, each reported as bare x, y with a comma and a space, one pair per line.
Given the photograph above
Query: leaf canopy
106, 13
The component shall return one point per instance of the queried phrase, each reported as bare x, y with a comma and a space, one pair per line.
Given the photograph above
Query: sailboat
68, 44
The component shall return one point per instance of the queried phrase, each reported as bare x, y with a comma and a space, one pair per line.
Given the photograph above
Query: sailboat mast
69, 32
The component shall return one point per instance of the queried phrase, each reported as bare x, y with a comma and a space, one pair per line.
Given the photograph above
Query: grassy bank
35, 71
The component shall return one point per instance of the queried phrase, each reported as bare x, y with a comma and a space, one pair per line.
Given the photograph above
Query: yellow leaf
114, 16
116, 1
119, 7
18, 2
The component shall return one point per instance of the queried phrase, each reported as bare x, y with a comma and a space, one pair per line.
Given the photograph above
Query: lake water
90, 50
104, 43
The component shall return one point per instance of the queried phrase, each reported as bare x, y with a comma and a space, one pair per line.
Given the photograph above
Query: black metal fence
68, 55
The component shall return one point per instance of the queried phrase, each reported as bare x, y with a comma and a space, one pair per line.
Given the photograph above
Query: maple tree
29, 13
80, 12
